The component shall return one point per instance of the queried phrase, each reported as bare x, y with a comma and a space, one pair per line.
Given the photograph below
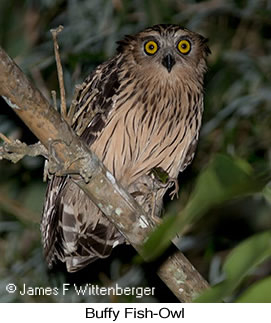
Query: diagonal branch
96, 181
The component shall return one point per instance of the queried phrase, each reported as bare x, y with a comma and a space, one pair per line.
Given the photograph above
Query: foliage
225, 196
242, 260
257, 293
226, 179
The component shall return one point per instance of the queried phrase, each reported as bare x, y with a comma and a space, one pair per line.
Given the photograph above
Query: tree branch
63, 106
15, 150
97, 182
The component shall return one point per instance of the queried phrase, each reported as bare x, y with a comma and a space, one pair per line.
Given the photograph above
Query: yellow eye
151, 47
184, 46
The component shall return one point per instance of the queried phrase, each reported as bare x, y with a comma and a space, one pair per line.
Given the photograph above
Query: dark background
237, 122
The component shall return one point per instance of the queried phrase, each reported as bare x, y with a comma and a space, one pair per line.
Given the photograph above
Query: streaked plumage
139, 110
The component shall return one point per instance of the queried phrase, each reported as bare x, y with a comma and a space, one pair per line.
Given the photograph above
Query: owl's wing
96, 99
190, 152
73, 229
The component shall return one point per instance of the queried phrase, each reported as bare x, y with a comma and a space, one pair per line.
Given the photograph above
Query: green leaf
225, 178
166, 230
260, 292
267, 192
242, 260
160, 174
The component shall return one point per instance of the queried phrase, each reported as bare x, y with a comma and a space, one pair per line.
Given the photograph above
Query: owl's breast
143, 133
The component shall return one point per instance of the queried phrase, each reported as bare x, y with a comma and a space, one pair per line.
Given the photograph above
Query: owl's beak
168, 61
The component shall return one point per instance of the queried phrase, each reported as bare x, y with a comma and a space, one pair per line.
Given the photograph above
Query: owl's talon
175, 192
53, 166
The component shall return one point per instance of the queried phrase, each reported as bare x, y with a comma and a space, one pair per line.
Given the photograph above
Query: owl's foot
53, 165
175, 192
161, 179
58, 167
156, 219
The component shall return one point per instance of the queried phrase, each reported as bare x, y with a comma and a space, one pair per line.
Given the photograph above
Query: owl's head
166, 49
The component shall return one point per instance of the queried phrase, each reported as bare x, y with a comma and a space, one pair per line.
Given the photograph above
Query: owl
139, 110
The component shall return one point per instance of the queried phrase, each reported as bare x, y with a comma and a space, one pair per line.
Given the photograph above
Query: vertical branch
63, 107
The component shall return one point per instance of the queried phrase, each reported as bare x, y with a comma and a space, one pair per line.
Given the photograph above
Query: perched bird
138, 111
